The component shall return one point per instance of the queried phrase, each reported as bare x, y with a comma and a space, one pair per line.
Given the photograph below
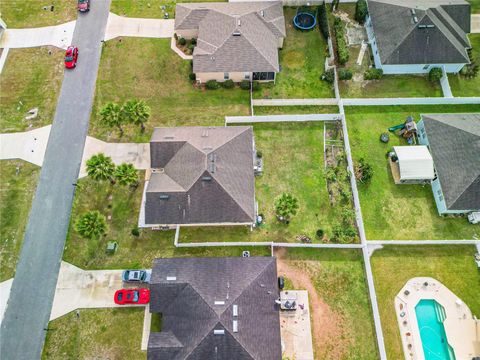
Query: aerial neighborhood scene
240, 179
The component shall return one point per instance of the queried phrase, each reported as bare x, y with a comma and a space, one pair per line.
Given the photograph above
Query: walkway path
137, 27
475, 25
58, 35
31, 297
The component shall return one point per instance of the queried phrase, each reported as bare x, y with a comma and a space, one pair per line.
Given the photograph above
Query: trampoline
304, 20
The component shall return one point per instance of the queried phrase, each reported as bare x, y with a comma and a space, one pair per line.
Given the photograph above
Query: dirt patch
326, 324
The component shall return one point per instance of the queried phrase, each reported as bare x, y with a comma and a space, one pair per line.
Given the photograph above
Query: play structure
407, 130
305, 19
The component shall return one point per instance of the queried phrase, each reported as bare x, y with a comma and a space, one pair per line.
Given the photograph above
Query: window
246, 75
226, 76
263, 76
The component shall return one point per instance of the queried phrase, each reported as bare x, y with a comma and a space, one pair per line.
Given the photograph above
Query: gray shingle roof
259, 25
207, 174
190, 315
439, 36
454, 141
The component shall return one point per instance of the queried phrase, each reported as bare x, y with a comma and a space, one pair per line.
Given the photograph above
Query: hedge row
323, 20
229, 84
342, 50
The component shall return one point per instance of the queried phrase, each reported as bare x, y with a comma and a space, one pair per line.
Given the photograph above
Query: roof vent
206, 178
262, 13
237, 33
235, 310
415, 19
219, 332
219, 302
171, 278
239, 22
235, 326
168, 137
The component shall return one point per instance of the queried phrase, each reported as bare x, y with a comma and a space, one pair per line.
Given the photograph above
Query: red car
71, 56
83, 5
132, 296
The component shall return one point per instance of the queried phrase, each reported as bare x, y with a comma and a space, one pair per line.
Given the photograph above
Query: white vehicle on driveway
136, 276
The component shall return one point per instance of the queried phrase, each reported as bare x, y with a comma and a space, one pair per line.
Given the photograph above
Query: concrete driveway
475, 25
137, 27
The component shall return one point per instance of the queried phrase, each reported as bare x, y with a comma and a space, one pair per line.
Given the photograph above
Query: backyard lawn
31, 13
459, 84
147, 69
27, 84
453, 266
279, 110
475, 4
18, 180
340, 312
398, 211
302, 62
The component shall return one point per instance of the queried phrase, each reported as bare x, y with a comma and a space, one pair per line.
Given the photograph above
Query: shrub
361, 11
91, 225
228, 84
323, 20
212, 85
259, 154
363, 171
136, 231
342, 50
328, 76
319, 233
345, 74
182, 41
373, 74
191, 47
245, 85
470, 71
343, 233
255, 86
192, 76
435, 74
286, 206
193, 41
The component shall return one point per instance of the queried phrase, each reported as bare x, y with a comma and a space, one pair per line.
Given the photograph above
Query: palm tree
112, 116
126, 174
286, 205
136, 112
101, 167
91, 225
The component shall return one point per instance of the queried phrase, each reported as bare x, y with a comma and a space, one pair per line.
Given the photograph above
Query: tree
435, 74
136, 112
91, 225
361, 11
126, 174
112, 117
286, 206
323, 20
101, 167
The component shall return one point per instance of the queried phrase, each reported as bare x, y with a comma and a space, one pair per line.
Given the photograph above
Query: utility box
112, 247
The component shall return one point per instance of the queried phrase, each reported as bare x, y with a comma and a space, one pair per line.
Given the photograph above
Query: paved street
28, 310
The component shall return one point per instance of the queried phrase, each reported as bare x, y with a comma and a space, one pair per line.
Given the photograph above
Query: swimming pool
430, 317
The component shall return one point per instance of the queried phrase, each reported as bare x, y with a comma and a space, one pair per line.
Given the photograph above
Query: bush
470, 71
245, 85
361, 11
191, 47
91, 225
373, 74
286, 206
363, 171
342, 50
343, 234
255, 86
259, 154
182, 41
136, 231
228, 84
345, 74
193, 41
328, 76
435, 74
192, 76
323, 20
319, 233
212, 85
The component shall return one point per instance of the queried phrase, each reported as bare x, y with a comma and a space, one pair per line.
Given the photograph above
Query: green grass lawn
302, 62
148, 8
114, 333
279, 110
149, 70
453, 266
338, 277
475, 4
398, 211
16, 194
31, 78
462, 86
28, 14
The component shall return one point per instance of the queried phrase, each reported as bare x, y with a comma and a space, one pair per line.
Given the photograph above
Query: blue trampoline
304, 20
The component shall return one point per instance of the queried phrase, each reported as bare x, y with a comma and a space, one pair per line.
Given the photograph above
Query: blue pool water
430, 317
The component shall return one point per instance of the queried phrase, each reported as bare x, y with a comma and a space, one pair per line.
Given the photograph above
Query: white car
136, 276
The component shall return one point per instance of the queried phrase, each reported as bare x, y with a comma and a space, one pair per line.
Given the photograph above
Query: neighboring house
200, 176
216, 309
454, 142
413, 36
237, 41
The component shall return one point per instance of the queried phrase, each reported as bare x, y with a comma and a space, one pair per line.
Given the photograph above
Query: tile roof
454, 141
200, 300
203, 174
438, 37
234, 37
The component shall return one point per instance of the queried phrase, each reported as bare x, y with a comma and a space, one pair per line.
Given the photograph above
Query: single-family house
200, 176
215, 308
413, 36
454, 142
235, 40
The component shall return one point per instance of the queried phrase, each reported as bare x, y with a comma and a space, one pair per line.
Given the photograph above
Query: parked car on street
136, 276
71, 57
83, 5
132, 296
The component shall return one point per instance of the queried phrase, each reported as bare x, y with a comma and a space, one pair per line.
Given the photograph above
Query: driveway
136, 27
475, 25
59, 36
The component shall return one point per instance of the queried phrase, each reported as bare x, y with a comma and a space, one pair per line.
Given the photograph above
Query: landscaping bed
392, 267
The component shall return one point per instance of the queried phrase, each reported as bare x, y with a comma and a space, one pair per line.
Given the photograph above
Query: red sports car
71, 56
83, 5
132, 296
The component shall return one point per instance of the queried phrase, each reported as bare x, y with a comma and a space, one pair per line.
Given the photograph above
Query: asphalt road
25, 323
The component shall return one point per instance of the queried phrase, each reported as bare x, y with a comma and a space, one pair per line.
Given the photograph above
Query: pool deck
461, 327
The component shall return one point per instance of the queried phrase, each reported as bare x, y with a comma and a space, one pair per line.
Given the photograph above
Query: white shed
415, 163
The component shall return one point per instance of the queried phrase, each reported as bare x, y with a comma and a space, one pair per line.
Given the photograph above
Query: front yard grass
398, 211
29, 14
17, 188
31, 78
148, 8
462, 86
302, 62
392, 267
147, 69
279, 110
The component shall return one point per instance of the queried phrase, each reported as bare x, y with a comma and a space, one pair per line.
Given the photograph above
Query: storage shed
412, 165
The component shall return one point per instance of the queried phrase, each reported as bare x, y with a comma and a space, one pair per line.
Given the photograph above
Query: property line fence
411, 101
281, 118
295, 102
